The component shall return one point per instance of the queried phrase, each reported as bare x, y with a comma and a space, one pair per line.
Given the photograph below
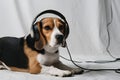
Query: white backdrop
88, 20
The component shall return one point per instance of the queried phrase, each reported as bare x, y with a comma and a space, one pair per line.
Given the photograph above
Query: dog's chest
48, 58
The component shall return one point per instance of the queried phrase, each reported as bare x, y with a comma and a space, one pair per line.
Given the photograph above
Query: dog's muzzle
59, 39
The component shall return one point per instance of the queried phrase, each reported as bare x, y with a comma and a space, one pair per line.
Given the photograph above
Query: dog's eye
47, 28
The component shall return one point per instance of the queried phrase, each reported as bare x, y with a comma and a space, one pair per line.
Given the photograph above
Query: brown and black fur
19, 54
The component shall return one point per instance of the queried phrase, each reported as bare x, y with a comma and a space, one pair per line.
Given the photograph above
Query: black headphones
35, 28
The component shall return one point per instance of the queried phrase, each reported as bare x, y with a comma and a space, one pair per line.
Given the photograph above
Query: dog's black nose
59, 38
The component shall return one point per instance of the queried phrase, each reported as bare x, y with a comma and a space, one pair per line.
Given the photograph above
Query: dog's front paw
77, 71
55, 71
62, 73
58, 72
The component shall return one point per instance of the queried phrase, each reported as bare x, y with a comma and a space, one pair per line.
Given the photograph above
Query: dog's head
49, 31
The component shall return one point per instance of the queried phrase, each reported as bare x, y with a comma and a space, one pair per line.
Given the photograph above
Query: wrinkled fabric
94, 26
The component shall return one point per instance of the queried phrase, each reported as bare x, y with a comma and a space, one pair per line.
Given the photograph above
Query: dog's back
12, 52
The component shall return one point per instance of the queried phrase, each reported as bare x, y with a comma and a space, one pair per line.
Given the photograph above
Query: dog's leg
55, 71
4, 66
34, 67
18, 69
62, 66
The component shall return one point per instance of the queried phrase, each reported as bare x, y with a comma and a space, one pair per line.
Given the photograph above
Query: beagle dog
38, 52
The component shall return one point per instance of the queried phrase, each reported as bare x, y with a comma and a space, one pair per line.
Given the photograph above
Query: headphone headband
52, 12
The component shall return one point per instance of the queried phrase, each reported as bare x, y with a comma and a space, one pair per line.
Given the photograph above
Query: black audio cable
116, 70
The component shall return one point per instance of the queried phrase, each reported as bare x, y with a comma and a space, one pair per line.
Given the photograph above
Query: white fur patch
4, 66
54, 71
47, 58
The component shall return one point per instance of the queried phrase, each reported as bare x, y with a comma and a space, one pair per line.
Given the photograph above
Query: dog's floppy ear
38, 36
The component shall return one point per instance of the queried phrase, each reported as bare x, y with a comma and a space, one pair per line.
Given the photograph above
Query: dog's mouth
59, 42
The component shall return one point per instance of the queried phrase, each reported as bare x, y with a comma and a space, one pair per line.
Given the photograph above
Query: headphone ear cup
67, 31
36, 32
66, 35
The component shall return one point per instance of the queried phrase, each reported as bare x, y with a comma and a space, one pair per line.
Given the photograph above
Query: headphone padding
36, 32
